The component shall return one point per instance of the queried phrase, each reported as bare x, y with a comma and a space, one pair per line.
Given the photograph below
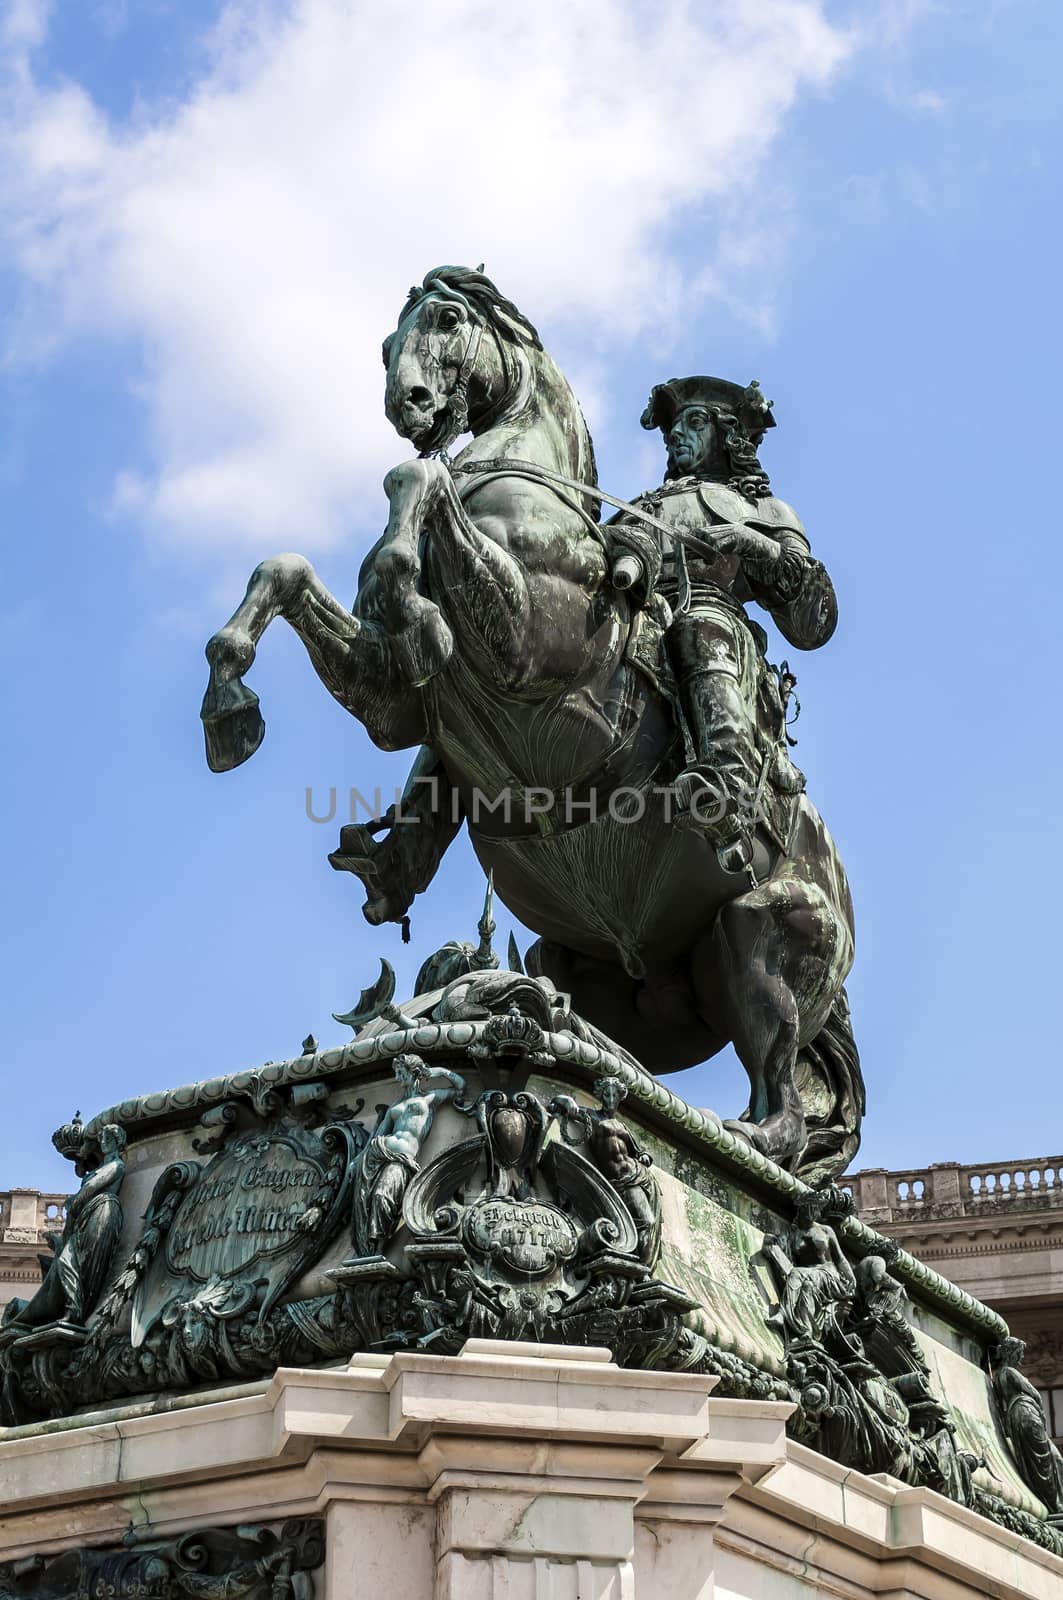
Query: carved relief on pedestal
253, 1562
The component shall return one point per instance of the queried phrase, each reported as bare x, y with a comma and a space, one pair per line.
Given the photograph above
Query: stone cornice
547, 1422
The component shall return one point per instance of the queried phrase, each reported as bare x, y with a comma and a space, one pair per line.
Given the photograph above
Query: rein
504, 467
458, 402
457, 413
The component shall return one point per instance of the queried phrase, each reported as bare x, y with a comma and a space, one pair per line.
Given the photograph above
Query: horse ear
385, 349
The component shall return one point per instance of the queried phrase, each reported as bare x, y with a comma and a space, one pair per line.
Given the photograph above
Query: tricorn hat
748, 404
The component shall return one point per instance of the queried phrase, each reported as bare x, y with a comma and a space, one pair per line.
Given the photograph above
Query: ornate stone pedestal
488, 1310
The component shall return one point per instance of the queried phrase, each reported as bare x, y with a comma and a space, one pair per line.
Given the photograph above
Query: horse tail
831, 1087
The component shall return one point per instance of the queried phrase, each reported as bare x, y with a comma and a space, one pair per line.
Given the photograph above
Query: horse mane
477, 290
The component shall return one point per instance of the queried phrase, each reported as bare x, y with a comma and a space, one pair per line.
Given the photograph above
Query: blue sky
211, 215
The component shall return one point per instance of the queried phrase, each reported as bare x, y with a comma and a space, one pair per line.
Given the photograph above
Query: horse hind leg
770, 971
831, 1085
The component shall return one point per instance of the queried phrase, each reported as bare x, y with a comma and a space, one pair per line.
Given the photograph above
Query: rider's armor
737, 770
716, 652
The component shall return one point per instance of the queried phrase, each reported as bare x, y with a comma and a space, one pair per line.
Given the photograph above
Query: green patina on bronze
521, 1177
686, 891
498, 1157
687, 1129
255, 1561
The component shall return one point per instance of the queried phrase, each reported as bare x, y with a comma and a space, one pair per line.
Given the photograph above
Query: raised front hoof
781, 1138
423, 648
233, 725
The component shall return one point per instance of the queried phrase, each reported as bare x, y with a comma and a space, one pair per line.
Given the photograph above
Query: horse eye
449, 318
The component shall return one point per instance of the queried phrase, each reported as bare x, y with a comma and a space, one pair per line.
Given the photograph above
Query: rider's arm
784, 576
641, 546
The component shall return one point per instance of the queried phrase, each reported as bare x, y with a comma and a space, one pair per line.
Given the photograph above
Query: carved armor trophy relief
499, 1156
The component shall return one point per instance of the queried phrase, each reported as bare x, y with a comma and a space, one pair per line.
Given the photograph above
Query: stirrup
732, 841
736, 855
705, 805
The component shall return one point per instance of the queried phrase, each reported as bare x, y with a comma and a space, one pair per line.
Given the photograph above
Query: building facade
27, 1217
996, 1229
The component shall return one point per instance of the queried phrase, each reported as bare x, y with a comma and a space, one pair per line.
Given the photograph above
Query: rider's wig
743, 415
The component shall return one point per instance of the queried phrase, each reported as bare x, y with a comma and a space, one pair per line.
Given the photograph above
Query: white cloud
931, 100
256, 238
24, 24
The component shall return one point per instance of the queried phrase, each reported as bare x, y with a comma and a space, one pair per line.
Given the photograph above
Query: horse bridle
457, 406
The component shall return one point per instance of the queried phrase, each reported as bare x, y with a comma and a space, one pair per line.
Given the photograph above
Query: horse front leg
350, 656
486, 583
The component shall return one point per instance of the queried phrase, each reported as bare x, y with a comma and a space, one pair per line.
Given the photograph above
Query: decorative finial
371, 1001
485, 957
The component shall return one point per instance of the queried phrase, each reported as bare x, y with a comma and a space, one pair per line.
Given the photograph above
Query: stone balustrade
27, 1216
948, 1189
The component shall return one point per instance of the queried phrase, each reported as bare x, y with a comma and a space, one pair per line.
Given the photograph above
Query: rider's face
691, 440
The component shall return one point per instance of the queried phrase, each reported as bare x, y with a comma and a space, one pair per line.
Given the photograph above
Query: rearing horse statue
488, 630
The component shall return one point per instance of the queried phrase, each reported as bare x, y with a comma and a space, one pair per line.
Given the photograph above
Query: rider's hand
735, 539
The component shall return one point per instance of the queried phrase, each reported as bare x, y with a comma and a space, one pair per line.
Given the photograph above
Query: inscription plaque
258, 1214
254, 1201
525, 1236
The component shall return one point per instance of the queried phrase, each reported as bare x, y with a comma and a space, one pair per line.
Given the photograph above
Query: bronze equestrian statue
560, 677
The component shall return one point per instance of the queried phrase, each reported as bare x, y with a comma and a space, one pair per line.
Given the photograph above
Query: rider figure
712, 430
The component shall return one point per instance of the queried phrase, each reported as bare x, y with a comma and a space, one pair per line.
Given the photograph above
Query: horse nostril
421, 398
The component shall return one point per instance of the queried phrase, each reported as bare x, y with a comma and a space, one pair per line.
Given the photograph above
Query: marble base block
509, 1472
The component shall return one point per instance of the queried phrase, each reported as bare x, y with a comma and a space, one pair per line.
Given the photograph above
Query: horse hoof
779, 1143
233, 725
423, 648
748, 1132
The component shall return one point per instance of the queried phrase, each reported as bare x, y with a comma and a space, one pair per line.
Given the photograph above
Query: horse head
455, 359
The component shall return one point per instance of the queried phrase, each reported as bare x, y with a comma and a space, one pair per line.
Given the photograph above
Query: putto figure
620, 1158
389, 1160
1026, 1427
745, 545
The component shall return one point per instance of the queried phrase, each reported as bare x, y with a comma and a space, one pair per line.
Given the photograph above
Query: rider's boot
715, 793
